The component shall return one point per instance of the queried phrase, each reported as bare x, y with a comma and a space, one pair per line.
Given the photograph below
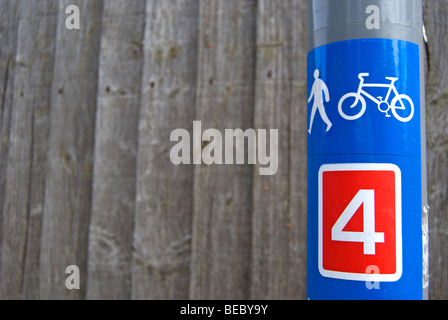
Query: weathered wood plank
298, 154
27, 151
9, 18
435, 13
68, 182
164, 198
279, 219
115, 157
221, 243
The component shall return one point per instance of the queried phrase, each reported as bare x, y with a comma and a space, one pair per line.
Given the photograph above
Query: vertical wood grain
115, 156
221, 244
162, 238
435, 13
279, 218
9, 18
298, 154
68, 182
25, 174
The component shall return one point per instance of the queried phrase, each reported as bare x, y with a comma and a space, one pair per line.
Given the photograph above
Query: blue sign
364, 171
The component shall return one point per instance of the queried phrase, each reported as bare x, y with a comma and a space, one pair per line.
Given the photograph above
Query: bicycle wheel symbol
402, 108
354, 106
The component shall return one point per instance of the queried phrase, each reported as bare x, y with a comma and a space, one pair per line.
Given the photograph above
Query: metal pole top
338, 20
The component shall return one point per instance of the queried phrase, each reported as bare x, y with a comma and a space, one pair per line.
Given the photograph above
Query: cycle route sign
364, 164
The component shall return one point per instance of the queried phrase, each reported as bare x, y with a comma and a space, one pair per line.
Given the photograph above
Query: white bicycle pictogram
401, 106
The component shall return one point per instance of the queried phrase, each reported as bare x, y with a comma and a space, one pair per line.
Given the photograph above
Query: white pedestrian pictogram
319, 88
401, 106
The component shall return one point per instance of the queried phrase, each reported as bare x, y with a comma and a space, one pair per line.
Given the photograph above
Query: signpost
366, 150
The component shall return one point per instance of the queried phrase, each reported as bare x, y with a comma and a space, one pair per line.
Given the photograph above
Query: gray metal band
338, 20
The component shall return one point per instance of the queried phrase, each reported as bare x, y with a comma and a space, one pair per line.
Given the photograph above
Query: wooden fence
85, 171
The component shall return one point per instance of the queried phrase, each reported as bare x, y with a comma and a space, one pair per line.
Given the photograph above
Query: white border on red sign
398, 210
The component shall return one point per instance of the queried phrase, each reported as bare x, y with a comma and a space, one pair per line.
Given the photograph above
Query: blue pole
367, 184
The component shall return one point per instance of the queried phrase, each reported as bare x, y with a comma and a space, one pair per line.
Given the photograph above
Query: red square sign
360, 222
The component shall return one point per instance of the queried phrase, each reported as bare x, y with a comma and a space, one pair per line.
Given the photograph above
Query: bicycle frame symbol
400, 102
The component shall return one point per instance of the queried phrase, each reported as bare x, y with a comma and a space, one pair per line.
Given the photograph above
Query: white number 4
368, 236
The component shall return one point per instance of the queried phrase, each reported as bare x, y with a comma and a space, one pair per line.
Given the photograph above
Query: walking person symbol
319, 87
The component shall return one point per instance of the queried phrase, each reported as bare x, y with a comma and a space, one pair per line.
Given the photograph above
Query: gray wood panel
221, 242
435, 13
115, 155
9, 19
279, 219
24, 197
68, 182
162, 234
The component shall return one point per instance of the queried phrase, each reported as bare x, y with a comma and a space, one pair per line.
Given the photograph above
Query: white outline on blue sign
398, 212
